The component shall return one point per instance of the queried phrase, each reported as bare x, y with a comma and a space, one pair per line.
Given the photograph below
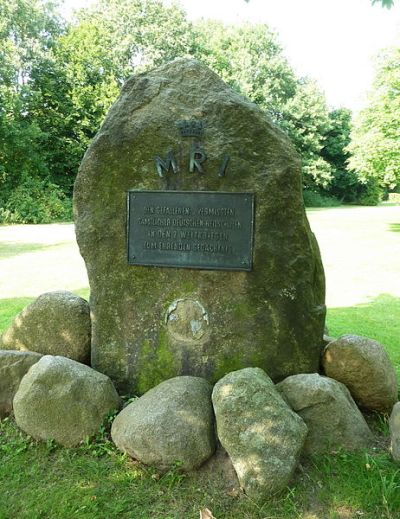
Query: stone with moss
56, 323
364, 367
170, 425
152, 323
13, 366
63, 400
327, 407
262, 435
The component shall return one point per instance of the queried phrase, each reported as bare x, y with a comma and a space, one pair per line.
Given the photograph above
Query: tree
58, 82
73, 88
250, 59
344, 183
306, 120
374, 148
385, 3
28, 30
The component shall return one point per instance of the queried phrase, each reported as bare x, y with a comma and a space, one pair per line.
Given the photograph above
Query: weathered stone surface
63, 400
394, 426
13, 366
272, 317
363, 366
331, 415
173, 422
261, 434
56, 323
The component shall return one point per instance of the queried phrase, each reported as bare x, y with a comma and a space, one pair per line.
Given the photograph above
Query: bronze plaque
191, 229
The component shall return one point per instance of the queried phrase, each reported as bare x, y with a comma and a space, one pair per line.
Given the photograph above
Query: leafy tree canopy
58, 80
374, 148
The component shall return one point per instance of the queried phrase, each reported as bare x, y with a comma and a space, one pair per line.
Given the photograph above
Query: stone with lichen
153, 323
63, 400
364, 367
262, 435
326, 406
56, 323
394, 427
171, 424
13, 366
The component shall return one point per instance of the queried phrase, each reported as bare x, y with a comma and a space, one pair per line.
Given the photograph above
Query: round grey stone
13, 366
363, 366
56, 323
261, 434
63, 400
331, 415
173, 422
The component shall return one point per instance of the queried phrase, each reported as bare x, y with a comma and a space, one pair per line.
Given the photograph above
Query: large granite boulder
56, 323
153, 323
363, 366
394, 427
173, 422
326, 406
261, 434
13, 366
63, 400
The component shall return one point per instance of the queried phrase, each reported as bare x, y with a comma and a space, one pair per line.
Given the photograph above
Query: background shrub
314, 199
36, 201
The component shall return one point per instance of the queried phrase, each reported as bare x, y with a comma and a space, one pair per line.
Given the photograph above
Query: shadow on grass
394, 227
10, 249
379, 319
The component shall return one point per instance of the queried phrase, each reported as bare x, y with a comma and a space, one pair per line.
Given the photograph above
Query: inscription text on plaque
202, 229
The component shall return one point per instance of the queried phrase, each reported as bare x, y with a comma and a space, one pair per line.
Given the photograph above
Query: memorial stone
189, 216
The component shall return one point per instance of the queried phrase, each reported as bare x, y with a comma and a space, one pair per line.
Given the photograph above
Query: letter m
163, 166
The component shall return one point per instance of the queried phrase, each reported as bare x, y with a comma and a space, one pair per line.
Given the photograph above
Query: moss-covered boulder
56, 323
13, 366
60, 399
172, 423
364, 367
261, 434
326, 406
153, 323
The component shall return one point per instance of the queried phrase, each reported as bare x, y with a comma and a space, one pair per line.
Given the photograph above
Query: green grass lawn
95, 481
41, 480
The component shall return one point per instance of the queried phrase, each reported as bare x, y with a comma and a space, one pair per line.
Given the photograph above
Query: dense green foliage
375, 140
28, 31
58, 80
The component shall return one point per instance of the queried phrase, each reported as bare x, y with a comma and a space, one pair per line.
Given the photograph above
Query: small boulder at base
261, 434
56, 323
171, 423
331, 415
394, 425
63, 400
363, 366
13, 366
